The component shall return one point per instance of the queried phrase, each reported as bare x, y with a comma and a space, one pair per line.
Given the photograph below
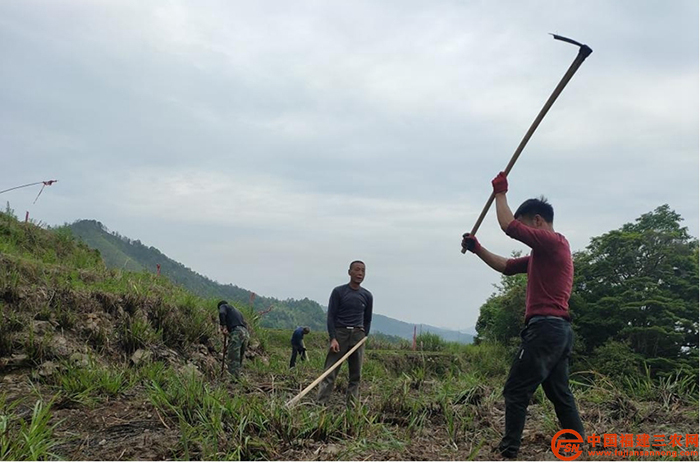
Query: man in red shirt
543, 358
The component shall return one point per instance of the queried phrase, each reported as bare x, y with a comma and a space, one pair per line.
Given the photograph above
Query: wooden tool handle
306, 390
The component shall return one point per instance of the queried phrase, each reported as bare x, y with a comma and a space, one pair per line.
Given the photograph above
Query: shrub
616, 359
430, 342
134, 332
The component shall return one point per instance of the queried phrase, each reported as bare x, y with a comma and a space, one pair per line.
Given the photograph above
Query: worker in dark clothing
348, 321
232, 324
547, 340
298, 345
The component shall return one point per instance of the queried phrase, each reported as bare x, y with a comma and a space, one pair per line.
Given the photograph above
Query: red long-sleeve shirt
549, 268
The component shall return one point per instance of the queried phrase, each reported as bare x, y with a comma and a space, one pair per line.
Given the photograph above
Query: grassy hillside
120, 252
123, 253
105, 364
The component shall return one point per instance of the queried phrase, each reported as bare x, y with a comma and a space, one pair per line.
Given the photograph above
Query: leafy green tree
639, 285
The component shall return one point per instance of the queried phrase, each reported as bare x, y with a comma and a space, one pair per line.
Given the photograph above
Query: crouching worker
232, 324
298, 345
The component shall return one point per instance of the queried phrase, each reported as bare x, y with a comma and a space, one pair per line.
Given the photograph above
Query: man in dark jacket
348, 321
298, 345
543, 357
232, 324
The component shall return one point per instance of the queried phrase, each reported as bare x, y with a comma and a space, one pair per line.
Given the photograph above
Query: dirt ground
131, 428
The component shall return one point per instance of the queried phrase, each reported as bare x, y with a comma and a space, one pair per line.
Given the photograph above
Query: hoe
583, 52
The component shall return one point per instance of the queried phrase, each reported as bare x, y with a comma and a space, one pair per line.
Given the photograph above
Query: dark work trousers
543, 358
300, 350
347, 338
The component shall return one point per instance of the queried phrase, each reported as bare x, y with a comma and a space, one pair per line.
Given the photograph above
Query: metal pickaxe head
583, 49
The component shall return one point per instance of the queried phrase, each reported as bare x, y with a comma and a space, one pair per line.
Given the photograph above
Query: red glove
500, 183
470, 243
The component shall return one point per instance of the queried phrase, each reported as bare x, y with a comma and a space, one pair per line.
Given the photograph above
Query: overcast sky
269, 143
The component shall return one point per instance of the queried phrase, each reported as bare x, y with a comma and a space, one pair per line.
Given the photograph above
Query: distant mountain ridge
131, 255
403, 329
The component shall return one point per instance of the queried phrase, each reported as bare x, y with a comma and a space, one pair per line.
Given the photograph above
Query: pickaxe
583, 52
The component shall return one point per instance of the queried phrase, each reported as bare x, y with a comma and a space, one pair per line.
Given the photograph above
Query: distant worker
232, 324
349, 319
543, 357
298, 345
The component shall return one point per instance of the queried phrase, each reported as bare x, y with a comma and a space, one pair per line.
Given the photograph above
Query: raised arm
496, 262
507, 266
503, 212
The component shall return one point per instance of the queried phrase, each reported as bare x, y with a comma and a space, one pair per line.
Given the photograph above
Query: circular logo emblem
567, 448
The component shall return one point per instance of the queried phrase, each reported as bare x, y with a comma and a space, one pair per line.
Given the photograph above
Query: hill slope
124, 253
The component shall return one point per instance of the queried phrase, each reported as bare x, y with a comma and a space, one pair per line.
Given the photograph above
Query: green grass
59, 247
90, 384
26, 440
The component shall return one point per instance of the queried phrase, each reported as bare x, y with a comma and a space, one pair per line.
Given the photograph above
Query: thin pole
223, 356
306, 390
18, 187
43, 183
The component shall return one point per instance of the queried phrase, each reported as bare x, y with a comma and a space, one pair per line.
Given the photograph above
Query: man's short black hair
356, 261
222, 302
532, 207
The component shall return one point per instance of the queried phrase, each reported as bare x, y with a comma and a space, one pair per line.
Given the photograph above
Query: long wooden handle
223, 358
306, 390
583, 53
